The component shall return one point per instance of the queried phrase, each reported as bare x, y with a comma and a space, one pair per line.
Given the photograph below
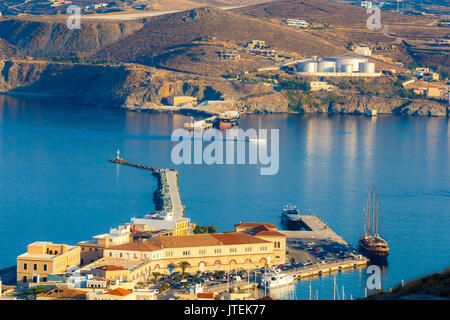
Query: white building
366, 4
363, 51
297, 23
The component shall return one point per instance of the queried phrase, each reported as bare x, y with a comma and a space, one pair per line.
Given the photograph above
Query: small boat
275, 278
371, 244
291, 213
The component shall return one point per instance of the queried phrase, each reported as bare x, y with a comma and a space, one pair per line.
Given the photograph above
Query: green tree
184, 265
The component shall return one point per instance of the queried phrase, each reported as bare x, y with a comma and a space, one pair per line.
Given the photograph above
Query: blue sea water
57, 185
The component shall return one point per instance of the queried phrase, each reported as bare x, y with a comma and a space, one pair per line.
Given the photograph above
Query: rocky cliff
136, 85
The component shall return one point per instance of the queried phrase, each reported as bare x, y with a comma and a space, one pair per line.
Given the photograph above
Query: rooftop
120, 292
255, 224
203, 240
110, 268
136, 246
262, 230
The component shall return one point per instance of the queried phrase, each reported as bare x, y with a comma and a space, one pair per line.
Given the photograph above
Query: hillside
324, 11
182, 28
431, 287
51, 39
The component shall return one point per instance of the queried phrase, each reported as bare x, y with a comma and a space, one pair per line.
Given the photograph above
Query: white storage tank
326, 66
367, 67
355, 61
347, 68
307, 66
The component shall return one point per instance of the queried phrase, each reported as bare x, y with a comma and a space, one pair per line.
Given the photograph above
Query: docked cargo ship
371, 244
227, 119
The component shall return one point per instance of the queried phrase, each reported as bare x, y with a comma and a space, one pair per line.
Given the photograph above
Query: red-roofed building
240, 227
265, 231
116, 294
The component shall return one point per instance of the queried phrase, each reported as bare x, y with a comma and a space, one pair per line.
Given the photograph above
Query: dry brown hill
51, 39
324, 11
162, 33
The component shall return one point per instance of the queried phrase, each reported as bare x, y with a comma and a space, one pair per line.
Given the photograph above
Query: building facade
44, 258
202, 252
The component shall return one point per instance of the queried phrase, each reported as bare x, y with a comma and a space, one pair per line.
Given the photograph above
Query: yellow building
203, 252
92, 250
177, 100
256, 44
266, 232
43, 258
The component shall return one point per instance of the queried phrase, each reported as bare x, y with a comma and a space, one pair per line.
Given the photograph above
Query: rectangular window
232, 250
45, 267
35, 266
25, 266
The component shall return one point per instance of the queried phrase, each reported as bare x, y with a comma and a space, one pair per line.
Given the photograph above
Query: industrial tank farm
337, 67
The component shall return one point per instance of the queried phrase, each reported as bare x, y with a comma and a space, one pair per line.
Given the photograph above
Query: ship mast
368, 213
376, 217
373, 210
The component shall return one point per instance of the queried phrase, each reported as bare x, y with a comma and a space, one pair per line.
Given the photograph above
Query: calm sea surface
57, 185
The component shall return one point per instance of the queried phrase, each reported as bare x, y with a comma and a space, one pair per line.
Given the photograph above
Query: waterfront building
266, 232
243, 226
178, 100
203, 252
162, 222
92, 250
44, 258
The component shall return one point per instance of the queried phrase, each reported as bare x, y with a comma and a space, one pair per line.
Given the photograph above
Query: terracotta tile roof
264, 231
133, 230
268, 298
255, 224
237, 238
204, 240
196, 240
64, 293
137, 246
120, 292
110, 268
205, 295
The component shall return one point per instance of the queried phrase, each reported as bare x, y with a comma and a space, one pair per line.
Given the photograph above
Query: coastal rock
424, 107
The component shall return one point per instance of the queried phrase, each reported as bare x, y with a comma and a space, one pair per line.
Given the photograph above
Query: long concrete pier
132, 164
171, 177
319, 236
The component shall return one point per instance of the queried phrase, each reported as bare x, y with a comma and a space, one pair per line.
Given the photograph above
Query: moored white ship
275, 278
291, 213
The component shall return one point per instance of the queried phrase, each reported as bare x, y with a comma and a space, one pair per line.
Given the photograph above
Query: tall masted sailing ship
371, 244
